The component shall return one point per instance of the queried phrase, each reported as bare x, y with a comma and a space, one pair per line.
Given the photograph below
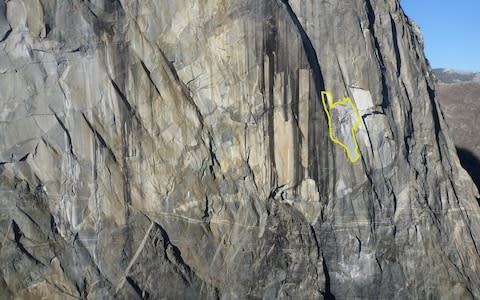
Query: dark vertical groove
371, 27
286, 85
408, 128
327, 294
17, 235
384, 84
286, 74
144, 295
127, 117
270, 45
309, 49
316, 146
95, 181
436, 118
317, 244
296, 134
395, 45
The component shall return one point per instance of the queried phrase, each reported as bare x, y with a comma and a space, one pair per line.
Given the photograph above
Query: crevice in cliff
6, 35
371, 27
144, 295
24, 158
17, 232
174, 256
213, 157
123, 97
408, 132
436, 119
149, 75
317, 245
53, 226
172, 73
38, 226
99, 137
82, 289
327, 293
310, 51
206, 214
67, 133
395, 45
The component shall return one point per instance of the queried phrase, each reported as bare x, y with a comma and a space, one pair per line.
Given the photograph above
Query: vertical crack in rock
378, 53
269, 45
309, 49
317, 147
327, 294
395, 45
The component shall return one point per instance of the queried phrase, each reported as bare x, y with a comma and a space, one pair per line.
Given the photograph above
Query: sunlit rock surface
179, 149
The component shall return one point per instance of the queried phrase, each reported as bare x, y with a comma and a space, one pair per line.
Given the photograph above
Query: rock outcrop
180, 149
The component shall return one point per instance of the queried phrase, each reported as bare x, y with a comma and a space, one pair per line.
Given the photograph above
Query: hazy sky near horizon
451, 30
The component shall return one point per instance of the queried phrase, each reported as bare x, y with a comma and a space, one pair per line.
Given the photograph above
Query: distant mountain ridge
447, 75
458, 93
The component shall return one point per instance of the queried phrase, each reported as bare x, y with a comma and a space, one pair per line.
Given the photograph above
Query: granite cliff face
180, 149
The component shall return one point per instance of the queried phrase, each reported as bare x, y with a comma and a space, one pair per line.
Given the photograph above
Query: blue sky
451, 30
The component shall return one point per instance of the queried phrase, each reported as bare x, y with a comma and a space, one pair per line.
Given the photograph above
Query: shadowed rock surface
179, 149
471, 163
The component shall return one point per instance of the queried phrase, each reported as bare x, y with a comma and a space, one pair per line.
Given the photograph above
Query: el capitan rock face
174, 149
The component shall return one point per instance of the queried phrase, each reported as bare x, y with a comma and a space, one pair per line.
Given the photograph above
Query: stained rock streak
180, 149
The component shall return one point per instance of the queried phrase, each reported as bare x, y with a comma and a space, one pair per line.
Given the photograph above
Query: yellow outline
332, 105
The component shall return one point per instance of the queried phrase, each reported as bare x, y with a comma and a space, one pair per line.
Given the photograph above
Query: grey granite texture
179, 149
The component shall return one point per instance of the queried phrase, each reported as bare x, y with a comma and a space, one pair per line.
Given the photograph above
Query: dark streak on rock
270, 43
141, 293
17, 236
149, 75
182, 268
371, 27
318, 143
436, 118
6, 35
327, 294
24, 158
296, 134
69, 138
123, 97
172, 73
317, 244
395, 45
100, 139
